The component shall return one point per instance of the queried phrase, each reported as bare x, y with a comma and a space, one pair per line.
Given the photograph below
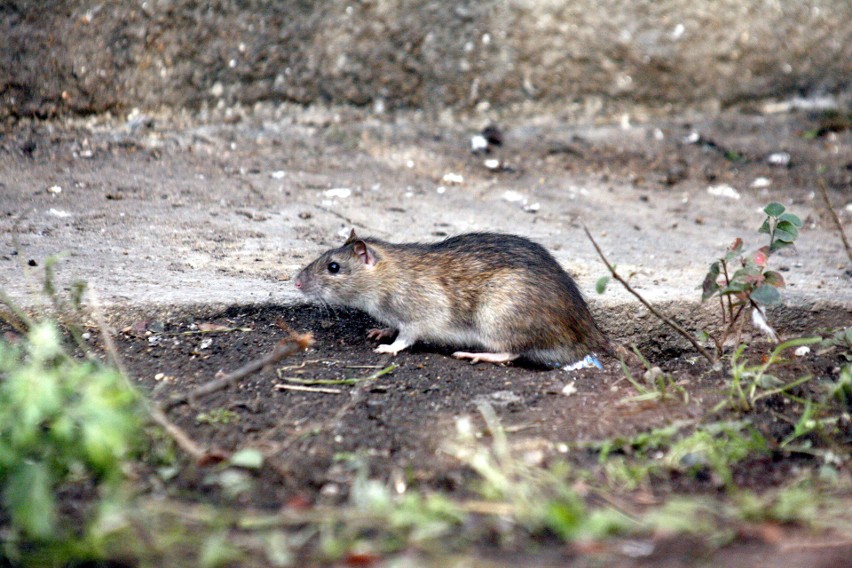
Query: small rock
802, 351
337, 192
451, 178
278, 174
569, 389
651, 375
723, 190
513, 196
54, 190
780, 159
760, 183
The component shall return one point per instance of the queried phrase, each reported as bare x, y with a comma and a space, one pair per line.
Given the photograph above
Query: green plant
716, 447
750, 383
62, 420
536, 497
743, 282
663, 385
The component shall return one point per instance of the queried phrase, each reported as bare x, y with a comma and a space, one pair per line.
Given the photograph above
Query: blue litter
586, 362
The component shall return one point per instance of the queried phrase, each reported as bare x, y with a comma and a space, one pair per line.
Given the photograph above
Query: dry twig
183, 441
288, 346
671, 323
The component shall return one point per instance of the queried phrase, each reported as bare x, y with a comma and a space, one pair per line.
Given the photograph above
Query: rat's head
342, 275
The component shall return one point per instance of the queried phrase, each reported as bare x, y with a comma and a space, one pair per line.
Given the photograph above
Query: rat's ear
364, 253
352, 238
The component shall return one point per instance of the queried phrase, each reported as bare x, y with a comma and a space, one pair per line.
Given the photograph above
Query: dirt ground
177, 221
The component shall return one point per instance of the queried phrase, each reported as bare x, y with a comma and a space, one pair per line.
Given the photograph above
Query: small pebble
337, 192
723, 190
451, 178
778, 159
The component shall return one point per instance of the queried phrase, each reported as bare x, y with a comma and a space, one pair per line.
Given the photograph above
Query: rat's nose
299, 283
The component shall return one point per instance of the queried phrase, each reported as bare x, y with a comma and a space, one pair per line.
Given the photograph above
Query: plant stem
824, 193
674, 325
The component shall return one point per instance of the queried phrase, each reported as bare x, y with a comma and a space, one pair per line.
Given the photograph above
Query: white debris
759, 321
513, 196
692, 138
778, 159
659, 134
761, 182
278, 174
802, 351
532, 207
569, 389
677, 32
205, 343
451, 178
478, 143
637, 548
54, 189
409, 164
723, 190
59, 213
337, 192
441, 189
492, 164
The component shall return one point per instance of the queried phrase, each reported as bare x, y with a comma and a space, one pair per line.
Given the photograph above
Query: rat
501, 294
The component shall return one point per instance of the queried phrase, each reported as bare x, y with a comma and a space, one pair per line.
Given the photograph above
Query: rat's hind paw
487, 357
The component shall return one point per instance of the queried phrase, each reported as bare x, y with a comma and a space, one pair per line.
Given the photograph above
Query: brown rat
503, 294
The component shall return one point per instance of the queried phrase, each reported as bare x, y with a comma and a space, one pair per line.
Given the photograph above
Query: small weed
711, 448
61, 420
537, 498
750, 383
662, 385
743, 283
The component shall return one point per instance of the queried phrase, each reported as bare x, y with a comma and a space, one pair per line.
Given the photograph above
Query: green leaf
29, 496
248, 458
564, 517
710, 286
766, 295
765, 227
778, 244
773, 278
774, 209
734, 156
600, 285
790, 218
786, 232
734, 249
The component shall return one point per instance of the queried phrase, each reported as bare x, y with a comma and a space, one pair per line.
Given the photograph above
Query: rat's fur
501, 293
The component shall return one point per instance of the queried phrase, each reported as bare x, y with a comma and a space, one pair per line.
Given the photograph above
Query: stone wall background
77, 57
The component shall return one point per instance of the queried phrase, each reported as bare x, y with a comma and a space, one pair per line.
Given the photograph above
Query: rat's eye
333, 267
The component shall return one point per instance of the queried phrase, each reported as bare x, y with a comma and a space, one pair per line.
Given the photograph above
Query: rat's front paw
385, 348
392, 348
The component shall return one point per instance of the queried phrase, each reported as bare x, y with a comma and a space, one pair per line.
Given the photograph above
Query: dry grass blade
307, 389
